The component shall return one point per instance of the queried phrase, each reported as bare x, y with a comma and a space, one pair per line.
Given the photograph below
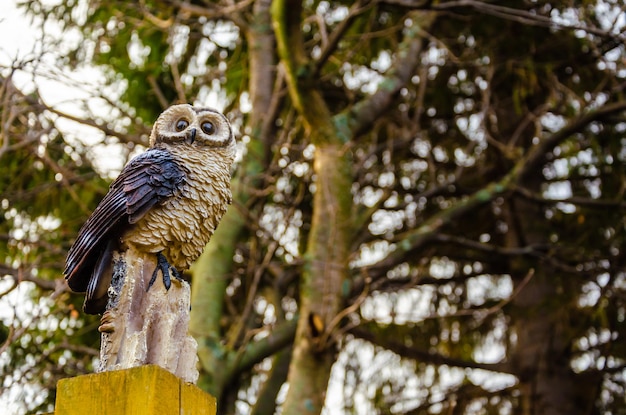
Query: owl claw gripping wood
166, 269
157, 217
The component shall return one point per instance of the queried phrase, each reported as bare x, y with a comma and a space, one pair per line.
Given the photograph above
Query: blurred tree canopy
429, 204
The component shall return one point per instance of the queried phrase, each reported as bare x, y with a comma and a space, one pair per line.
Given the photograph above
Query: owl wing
145, 182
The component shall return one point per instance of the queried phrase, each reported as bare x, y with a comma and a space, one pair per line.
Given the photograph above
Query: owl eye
181, 124
208, 127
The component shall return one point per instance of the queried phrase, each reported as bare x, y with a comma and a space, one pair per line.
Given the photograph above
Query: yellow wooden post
143, 390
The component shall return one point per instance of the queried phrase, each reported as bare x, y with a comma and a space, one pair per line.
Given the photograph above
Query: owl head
190, 126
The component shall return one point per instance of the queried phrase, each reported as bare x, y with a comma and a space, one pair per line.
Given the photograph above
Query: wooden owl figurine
166, 201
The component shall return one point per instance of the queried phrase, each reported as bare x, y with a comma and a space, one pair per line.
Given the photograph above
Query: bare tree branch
618, 202
365, 112
357, 8
254, 352
521, 16
423, 356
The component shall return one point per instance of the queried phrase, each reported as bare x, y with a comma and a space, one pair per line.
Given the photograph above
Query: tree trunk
326, 257
211, 270
541, 354
321, 286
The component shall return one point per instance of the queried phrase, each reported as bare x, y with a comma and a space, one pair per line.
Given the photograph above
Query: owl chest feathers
183, 224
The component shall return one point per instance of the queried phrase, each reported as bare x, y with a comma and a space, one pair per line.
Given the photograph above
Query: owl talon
166, 269
107, 322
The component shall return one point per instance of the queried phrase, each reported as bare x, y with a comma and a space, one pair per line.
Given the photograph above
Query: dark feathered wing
146, 181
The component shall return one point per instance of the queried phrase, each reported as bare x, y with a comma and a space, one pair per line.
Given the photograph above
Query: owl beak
191, 136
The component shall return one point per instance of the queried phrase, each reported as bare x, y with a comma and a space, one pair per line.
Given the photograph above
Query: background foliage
428, 212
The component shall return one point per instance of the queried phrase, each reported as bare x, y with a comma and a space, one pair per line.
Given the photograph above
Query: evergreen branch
387, 342
537, 155
308, 101
364, 113
578, 201
254, 352
265, 80
532, 250
414, 239
522, 16
356, 9
211, 11
266, 400
290, 46
418, 237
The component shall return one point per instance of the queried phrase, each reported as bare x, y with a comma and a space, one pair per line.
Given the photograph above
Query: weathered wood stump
147, 325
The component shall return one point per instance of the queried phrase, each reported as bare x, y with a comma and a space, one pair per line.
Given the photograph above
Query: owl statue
167, 202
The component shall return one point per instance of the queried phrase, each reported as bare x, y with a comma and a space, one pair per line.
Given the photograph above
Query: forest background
428, 208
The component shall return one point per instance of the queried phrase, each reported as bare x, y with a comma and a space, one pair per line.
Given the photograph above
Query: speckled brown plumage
167, 200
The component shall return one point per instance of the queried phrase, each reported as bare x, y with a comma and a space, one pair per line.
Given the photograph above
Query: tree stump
146, 325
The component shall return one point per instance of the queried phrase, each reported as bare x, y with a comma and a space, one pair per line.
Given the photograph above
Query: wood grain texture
143, 390
147, 326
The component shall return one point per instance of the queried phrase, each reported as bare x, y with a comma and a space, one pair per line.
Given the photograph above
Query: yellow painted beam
143, 390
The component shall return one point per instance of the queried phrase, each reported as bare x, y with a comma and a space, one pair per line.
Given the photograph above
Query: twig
520, 16
332, 42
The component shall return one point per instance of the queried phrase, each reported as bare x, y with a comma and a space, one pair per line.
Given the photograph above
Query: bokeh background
428, 211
